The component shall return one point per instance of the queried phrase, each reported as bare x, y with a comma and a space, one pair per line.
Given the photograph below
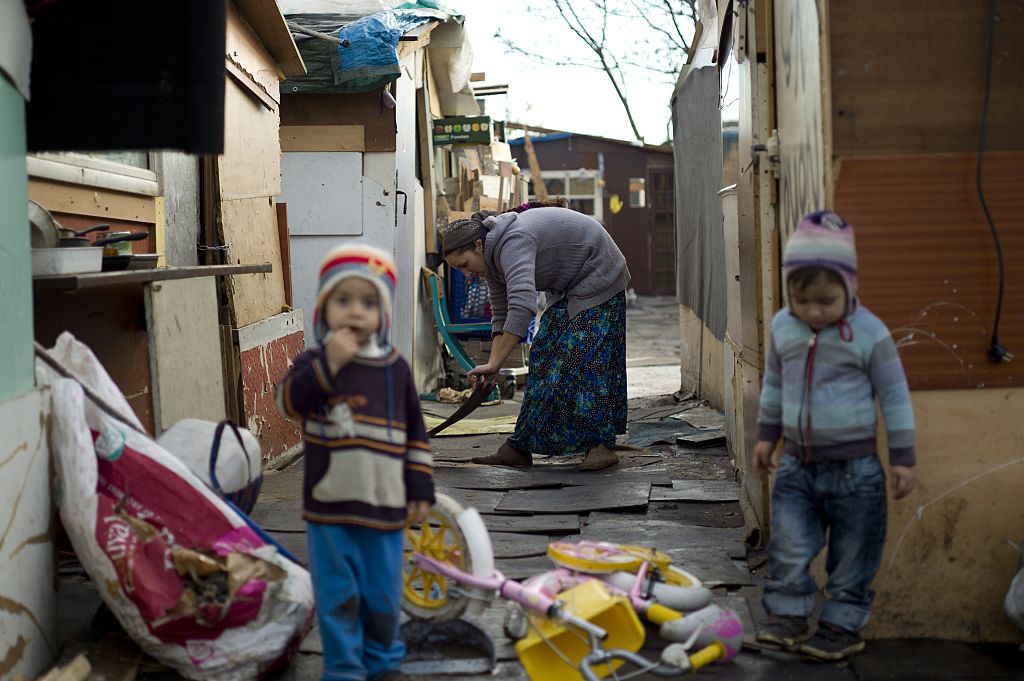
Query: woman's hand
486, 373
417, 511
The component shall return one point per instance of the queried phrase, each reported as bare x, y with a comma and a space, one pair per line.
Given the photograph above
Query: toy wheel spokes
425, 595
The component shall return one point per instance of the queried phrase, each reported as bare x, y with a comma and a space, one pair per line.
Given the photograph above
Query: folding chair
449, 329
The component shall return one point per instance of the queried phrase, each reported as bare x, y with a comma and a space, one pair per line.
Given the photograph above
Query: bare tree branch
595, 24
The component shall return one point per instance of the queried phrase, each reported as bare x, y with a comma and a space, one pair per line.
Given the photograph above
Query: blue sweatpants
357, 582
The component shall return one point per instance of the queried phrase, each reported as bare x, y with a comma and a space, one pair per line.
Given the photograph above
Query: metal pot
69, 237
117, 238
43, 227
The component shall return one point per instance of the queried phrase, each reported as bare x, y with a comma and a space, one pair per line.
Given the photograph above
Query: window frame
582, 173
88, 171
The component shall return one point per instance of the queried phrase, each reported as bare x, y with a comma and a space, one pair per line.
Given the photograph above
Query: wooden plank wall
908, 78
928, 264
365, 109
249, 175
185, 350
250, 227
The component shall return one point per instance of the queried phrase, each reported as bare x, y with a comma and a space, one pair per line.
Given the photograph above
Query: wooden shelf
77, 282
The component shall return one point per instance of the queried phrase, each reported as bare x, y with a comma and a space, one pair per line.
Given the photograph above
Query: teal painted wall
16, 354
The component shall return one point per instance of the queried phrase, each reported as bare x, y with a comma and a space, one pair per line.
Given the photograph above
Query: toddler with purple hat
828, 359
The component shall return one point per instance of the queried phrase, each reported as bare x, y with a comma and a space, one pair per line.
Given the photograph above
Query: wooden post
539, 190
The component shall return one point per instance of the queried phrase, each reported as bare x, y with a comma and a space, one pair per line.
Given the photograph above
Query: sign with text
462, 129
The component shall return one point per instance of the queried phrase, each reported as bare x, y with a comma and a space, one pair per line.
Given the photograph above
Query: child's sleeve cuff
770, 432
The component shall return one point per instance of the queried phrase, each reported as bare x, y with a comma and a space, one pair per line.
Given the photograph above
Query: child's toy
579, 627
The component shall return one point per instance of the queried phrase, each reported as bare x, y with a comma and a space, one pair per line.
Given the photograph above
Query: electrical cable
996, 352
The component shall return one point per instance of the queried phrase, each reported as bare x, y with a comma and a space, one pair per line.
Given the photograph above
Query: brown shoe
507, 455
598, 458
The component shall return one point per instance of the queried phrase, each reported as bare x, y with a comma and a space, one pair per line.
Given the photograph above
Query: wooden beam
539, 189
416, 39
323, 138
58, 197
268, 24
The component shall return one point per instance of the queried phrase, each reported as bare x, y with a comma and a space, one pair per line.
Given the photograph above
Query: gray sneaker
832, 643
784, 631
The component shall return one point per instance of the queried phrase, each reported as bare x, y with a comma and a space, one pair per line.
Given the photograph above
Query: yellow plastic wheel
427, 596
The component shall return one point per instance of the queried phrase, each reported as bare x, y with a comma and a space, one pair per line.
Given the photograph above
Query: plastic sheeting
370, 61
700, 236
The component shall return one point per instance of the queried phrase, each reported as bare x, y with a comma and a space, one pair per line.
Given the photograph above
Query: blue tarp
371, 60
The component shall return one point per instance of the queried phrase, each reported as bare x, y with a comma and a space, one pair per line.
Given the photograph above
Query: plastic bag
184, 574
237, 471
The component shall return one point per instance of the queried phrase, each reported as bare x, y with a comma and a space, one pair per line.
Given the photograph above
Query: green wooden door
16, 373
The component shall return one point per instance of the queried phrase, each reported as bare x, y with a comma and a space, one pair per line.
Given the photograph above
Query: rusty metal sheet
515, 545
545, 523
698, 490
576, 499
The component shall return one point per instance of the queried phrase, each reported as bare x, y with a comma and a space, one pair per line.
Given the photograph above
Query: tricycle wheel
425, 595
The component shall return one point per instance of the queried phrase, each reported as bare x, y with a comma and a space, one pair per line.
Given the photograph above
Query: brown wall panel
364, 109
631, 228
909, 77
928, 264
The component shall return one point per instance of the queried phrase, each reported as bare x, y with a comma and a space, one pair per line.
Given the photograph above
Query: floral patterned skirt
575, 396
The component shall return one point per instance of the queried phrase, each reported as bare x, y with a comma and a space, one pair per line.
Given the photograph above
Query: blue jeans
357, 583
846, 498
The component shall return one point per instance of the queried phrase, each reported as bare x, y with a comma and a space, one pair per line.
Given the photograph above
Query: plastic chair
444, 324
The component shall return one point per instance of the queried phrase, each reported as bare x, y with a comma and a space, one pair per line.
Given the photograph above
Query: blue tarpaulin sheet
371, 60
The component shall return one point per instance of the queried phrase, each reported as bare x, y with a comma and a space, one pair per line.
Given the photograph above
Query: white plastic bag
190, 440
193, 584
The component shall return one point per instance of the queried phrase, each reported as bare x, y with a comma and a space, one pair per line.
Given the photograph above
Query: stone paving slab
570, 499
514, 545
660, 533
545, 523
698, 490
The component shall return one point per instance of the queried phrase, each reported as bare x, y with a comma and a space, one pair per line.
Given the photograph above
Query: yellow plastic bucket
589, 601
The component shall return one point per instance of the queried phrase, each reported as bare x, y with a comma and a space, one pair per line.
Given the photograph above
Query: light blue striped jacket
837, 408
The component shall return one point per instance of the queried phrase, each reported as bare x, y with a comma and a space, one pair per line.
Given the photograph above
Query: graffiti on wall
798, 97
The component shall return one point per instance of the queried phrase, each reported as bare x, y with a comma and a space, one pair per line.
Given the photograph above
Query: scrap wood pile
486, 178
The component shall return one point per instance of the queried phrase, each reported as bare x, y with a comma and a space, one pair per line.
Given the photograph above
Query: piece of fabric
357, 582
460, 233
700, 237
846, 500
364, 262
823, 239
838, 407
362, 466
555, 250
575, 395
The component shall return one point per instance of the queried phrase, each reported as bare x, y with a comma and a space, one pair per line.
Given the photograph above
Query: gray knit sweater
555, 250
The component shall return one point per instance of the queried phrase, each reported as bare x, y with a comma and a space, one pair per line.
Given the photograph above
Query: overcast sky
576, 99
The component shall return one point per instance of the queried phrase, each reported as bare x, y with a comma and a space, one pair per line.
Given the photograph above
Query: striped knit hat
365, 262
824, 239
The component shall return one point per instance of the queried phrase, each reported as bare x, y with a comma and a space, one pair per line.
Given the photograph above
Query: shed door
661, 240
